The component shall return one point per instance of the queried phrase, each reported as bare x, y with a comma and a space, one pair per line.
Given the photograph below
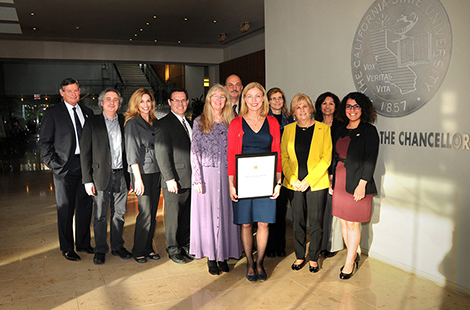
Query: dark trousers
145, 222
72, 199
114, 196
307, 208
177, 219
277, 231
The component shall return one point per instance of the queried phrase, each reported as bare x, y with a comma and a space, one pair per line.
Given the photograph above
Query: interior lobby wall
420, 216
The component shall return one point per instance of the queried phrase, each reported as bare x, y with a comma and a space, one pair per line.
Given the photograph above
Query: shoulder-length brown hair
207, 117
244, 108
274, 90
134, 102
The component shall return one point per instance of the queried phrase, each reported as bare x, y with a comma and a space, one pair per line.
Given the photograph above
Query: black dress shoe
297, 267
329, 254
314, 269
187, 254
213, 268
99, 258
281, 253
177, 258
262, 276
251, 278
271, 254
122, 253
88, 250
154, 256
141, 260
223, 266
71, 255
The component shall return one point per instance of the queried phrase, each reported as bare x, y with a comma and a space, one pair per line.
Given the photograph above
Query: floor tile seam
171, 289
363, 300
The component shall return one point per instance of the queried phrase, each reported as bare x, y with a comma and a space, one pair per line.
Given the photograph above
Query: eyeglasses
222, 98
254, 98
179, 101
353, 107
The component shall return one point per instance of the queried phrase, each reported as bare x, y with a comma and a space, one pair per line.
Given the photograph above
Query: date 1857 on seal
401, 53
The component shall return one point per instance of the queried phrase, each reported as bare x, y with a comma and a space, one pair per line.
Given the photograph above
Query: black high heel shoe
251, 278
346, 276
261, 276
297, 267
313, 269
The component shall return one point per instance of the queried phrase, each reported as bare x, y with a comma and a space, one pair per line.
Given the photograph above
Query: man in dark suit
172, 150
234, 86
104, 170
61, 128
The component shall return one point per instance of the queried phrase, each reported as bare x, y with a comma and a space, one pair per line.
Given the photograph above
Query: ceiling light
135, 34
130, 39
156, 41
222, 37
179, 42
78, 28
32, 13
141, 29
185, 18
244, 26
154, 16
34, 28
214, 21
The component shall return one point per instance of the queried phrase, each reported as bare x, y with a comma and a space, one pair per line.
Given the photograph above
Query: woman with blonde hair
306, 155
213, 233
253, 132
143, 167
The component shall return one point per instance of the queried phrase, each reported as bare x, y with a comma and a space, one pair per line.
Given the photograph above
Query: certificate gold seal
401, 53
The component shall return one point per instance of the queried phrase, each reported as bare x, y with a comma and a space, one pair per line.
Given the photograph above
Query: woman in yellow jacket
306, 155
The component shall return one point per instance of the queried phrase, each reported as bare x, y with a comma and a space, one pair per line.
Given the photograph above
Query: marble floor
34, 275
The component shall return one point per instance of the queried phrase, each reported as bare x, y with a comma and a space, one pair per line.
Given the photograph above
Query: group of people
326, 154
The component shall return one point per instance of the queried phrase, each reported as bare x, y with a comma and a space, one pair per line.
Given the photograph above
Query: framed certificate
255, 175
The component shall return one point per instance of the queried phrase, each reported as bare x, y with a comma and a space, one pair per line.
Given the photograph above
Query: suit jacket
173, 151
318, 161
361, 157
57, 137
95, 153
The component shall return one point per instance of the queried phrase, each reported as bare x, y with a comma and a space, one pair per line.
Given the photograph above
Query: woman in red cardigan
254, 131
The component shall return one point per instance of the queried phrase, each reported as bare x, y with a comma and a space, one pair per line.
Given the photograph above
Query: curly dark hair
320, 100
368, 113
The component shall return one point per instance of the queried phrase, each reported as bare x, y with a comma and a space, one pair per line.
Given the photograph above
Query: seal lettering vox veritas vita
401, 53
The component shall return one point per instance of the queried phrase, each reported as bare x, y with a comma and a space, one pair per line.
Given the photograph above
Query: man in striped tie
61, 128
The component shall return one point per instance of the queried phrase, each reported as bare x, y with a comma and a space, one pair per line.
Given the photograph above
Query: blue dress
263, 210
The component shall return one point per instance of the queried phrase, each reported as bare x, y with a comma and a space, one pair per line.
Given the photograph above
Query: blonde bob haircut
244, 108
298, 98
207, 117
134, 103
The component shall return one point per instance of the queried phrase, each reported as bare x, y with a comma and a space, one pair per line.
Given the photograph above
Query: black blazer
361, 156
57, 137
173, 151
95, 154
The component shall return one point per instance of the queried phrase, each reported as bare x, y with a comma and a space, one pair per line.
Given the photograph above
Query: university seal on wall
401, 53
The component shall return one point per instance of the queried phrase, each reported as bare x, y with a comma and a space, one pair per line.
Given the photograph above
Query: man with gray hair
104, 173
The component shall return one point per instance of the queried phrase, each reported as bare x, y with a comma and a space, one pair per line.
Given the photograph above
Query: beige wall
421, 217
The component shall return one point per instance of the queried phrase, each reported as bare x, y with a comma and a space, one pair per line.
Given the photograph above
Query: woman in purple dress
213, 234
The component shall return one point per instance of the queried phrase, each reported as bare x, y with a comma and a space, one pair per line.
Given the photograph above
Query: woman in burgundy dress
356, 151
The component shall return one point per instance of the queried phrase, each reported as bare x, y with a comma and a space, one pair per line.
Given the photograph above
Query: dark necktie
78, 125
234, 107
186, 128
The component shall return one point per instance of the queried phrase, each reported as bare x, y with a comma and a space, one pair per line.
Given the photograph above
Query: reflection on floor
34, 275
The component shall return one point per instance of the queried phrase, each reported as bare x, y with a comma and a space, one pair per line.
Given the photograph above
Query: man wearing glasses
172, 150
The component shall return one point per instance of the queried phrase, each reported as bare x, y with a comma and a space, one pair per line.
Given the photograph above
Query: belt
116, 170
343, 160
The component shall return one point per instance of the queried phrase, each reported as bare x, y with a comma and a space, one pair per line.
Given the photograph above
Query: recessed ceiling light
214, 21
34, 28
130, 39
179, 42
148, 24
141, 29
185, 18
78, 28
156, 41
32, 13
154, 16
